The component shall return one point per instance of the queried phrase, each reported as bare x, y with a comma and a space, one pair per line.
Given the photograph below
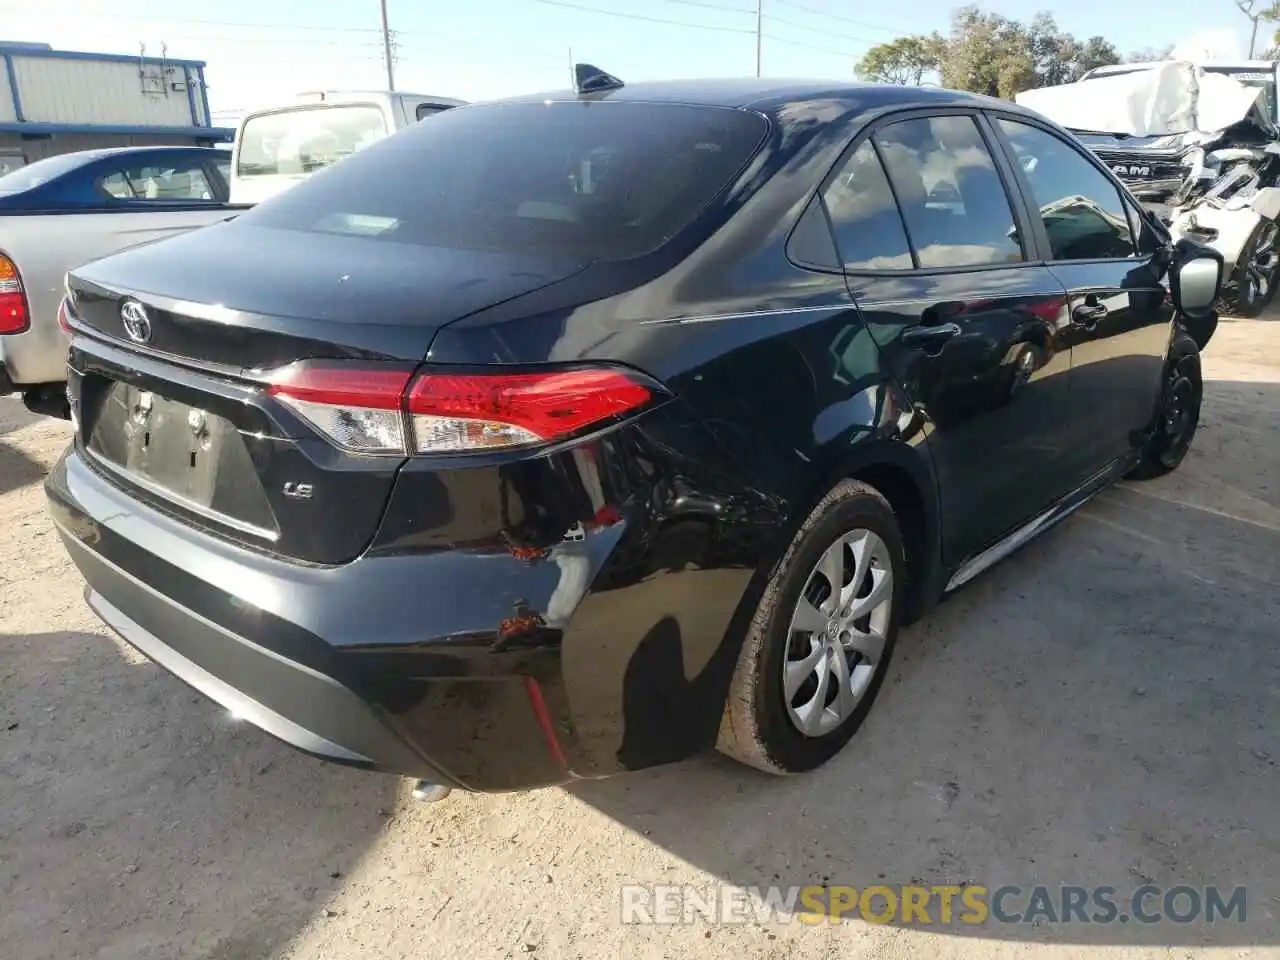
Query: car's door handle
930, 336
1089, 315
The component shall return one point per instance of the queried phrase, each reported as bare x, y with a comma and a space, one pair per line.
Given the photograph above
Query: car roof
100, 152
787, 103
769, 96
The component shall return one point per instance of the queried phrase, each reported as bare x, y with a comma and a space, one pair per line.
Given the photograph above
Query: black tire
756, 728
1177, 413
1246, 297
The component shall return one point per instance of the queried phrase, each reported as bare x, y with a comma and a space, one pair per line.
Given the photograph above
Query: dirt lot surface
1101, 709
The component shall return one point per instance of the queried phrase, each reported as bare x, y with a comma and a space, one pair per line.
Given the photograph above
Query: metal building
56, 101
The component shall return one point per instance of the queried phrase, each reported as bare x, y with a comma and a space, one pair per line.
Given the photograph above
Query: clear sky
260, 51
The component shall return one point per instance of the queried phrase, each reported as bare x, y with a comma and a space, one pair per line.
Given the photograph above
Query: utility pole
759, 20
386, 48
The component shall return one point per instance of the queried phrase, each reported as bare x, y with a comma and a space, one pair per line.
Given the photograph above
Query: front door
966, 322
1120, 316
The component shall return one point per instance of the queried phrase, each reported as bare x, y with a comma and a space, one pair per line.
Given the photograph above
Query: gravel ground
1102, 709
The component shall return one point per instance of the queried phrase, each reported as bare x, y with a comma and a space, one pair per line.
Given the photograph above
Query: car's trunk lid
253, 298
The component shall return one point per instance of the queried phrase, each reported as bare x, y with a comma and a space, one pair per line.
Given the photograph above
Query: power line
425, 41
808, 46
291, 27
636, 16
712, 6
838, 16
306, 44
821, 30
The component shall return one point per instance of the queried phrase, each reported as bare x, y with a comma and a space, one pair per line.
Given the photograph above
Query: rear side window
1082, 210
867, 225
952, 198
185, 180
291, 142
601, 180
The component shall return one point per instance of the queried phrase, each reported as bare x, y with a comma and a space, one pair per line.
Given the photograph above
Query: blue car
119, 177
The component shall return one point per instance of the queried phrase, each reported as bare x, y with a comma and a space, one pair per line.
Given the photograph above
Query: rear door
943, 273
1120, 319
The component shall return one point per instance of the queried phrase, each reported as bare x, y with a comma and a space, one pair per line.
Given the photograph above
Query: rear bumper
618, 655
37, 355
306, 709
409, 712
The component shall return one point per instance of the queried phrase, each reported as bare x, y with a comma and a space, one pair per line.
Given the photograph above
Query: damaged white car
1199, 146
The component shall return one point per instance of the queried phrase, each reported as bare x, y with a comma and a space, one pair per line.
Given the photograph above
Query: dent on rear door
996, 394
939, 269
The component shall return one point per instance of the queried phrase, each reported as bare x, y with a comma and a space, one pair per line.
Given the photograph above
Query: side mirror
1195, 279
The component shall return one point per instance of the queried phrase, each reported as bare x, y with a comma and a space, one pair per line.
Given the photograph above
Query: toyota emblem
136, 322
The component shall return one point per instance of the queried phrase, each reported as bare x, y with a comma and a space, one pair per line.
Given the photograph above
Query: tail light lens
379, 411
64, 324
452, 413
14, 317
358, 408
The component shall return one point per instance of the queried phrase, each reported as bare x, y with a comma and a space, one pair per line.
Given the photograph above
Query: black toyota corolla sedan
580, 433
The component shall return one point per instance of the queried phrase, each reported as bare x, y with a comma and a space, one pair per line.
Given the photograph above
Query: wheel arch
903, 475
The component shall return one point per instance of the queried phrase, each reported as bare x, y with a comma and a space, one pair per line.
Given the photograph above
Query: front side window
306, 139
864, 216
952, 198
159, 181
606, 181
1082, 210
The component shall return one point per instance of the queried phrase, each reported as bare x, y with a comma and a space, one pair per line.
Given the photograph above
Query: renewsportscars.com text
927, 905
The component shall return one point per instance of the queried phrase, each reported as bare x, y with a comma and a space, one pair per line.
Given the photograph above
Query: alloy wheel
1260, 268
1179, 407
837, 633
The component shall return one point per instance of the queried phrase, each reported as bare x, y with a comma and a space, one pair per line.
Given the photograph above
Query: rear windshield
306, 139
608, 180
42, 171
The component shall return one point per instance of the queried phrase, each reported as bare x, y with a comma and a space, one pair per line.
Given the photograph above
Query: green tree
904, 61
988, 53
1095, 52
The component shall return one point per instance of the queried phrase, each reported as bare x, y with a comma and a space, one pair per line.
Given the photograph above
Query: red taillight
14, 317
361, 408
63, 323
457, 412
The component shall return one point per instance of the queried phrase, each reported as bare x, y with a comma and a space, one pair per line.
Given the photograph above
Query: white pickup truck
280, 146
67, 210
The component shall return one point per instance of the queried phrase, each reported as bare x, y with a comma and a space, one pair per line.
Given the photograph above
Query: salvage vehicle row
1199, 146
